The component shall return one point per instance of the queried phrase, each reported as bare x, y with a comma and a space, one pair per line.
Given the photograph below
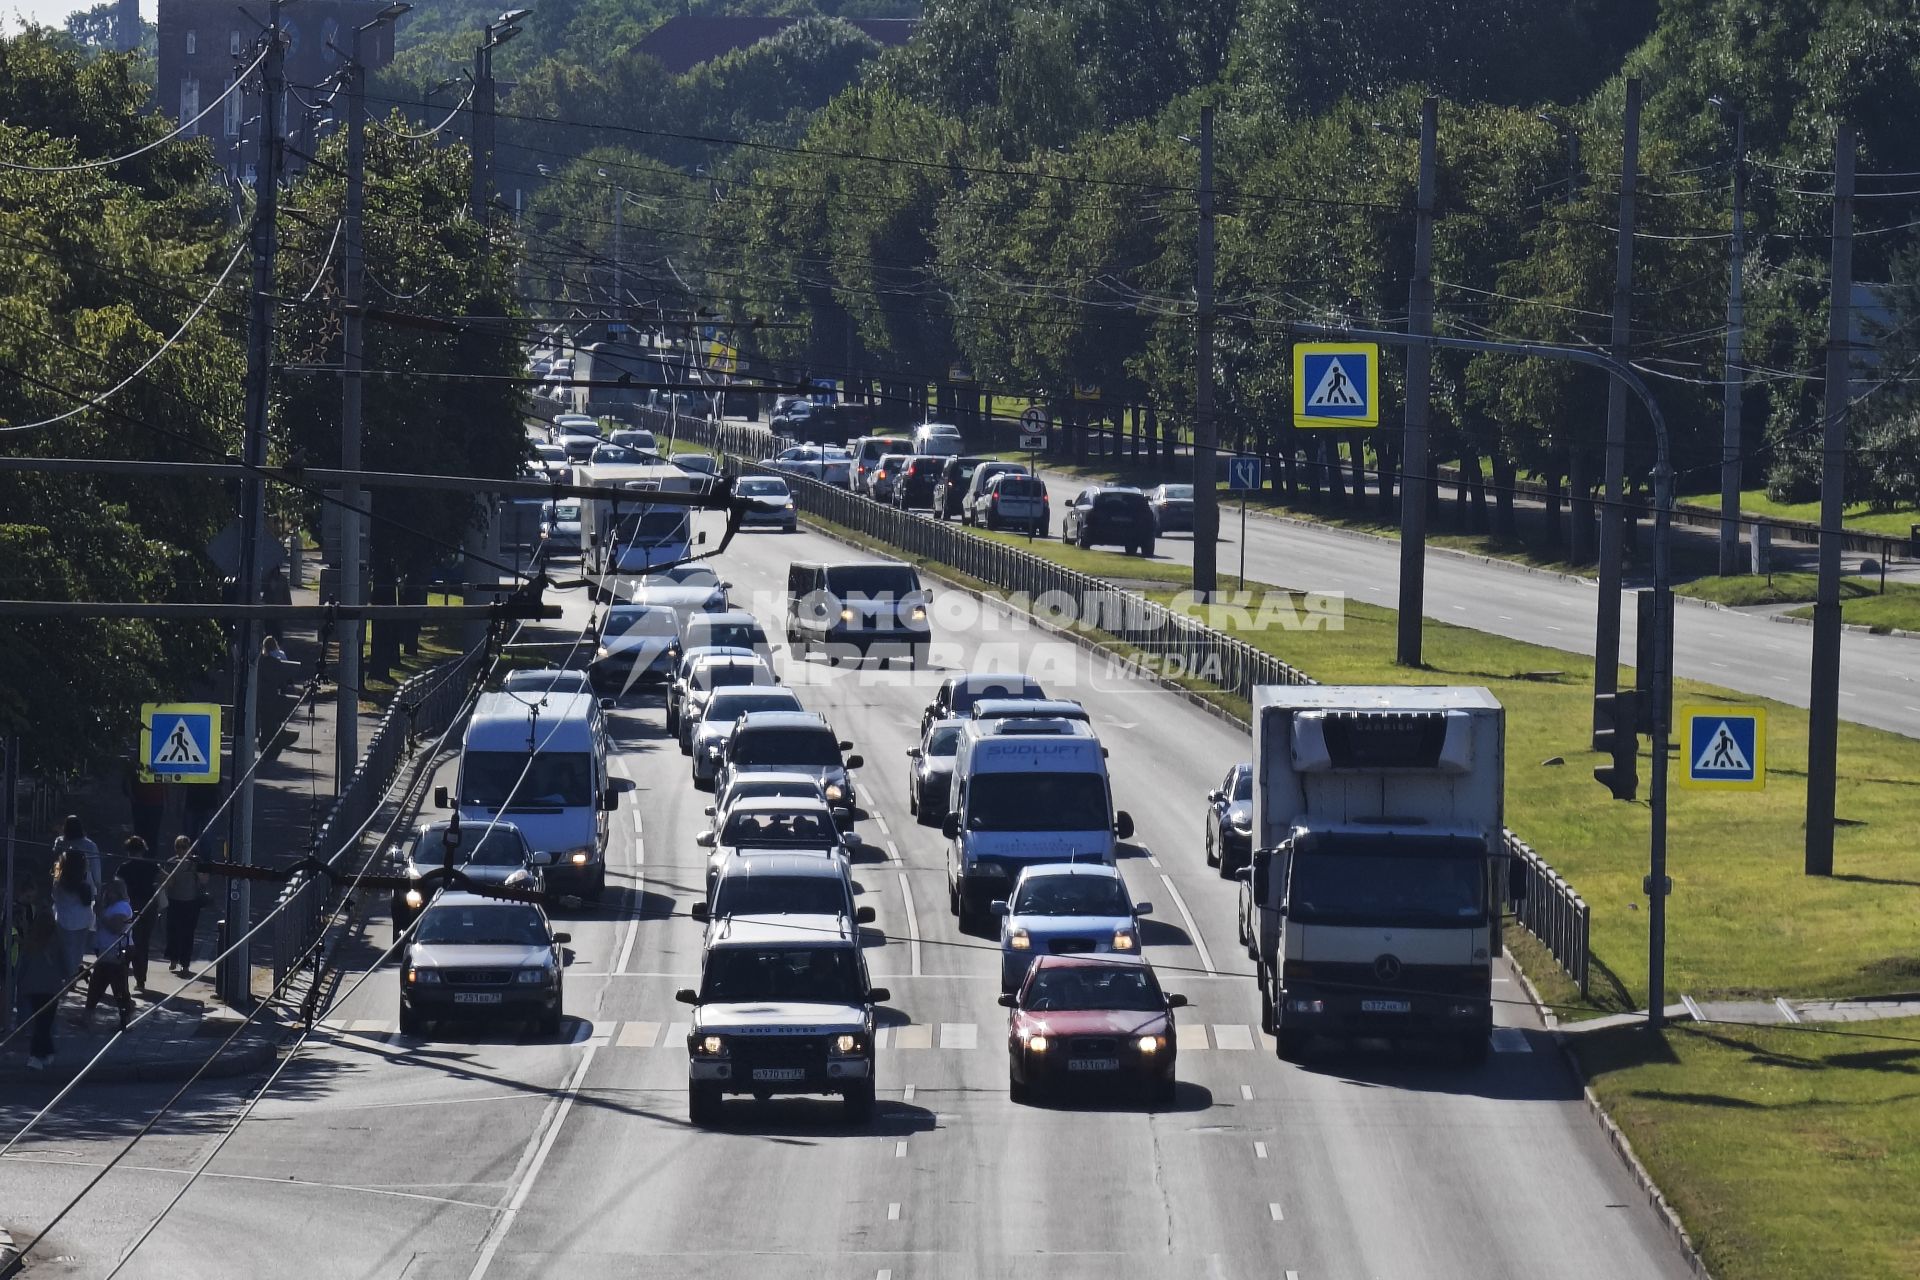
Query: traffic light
1615, 715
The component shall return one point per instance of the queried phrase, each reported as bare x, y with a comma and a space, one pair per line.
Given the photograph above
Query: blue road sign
180, 742
1336, 384
1243, 472
1725, 748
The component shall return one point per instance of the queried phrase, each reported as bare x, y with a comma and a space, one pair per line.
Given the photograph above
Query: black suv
955, 476
1109, 517
914, 485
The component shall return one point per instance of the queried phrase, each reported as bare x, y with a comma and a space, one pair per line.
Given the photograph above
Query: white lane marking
1551, 627
639, 1035
1510, 1040
893, 854
1153, 862
893, 1212
906, 1094
1273, 1211
959, 1035
883, 1274
915, 1035
1233, 1035
1721, 665
1259, 1151
913, 923
1460, 608
633, 917
879, 820
1246, 1093
1193, 930
538, 1146
1293, 1275
900, 1149
1786, 1010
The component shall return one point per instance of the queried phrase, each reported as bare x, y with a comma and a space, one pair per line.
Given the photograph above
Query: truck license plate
1385, 1006
476, 997
774, 1074
1093, 1064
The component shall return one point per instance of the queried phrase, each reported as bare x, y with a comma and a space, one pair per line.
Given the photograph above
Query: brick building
205, 43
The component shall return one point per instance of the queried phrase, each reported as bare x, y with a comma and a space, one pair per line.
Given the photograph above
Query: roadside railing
422, 707
1169, 643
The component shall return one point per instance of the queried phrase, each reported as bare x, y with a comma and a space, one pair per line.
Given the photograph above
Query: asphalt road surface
492, 1154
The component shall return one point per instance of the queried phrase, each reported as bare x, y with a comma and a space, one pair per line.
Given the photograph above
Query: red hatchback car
1079, 1019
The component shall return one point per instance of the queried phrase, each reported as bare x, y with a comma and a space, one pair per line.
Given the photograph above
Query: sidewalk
1761, 1013
294, 788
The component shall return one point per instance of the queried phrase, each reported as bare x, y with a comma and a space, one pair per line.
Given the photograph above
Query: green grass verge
1787, 1153
1861, 600
1755, 502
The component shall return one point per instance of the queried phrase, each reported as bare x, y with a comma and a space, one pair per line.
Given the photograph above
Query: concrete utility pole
481, 111
353, 553
235, 980
1413, 446
1606, 630
1206, 434
1823, 707
1735, 376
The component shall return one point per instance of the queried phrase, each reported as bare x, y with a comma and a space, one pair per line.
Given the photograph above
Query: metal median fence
1169, 643
422, 707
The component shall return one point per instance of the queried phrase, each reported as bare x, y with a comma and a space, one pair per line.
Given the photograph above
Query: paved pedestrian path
1779, 1011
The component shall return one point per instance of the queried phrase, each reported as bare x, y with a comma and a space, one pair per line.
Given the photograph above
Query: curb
1616, 1138
246, 1057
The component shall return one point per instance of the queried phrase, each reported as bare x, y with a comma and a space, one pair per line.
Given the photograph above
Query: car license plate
1093, 1064
775, 1074
476, 997
1385, 1006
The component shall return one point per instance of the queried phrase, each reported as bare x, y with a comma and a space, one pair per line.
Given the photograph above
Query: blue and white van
540, 762
1024, 792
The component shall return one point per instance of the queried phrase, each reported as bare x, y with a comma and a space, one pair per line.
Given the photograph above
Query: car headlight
1019, 940
713, 748
1151, 1044
835, 791
542, 974
415, 975
1123, 940
711, 1047
414, 899
846, 615
919, 613
789, 504
1037, 1044
846, 1044
1243, 822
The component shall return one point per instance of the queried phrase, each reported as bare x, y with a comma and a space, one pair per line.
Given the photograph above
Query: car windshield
1243, 785
493, 780
828, 975
731, 674
1093, 986
635, 439
550, 453
705, 634
1336, 886
1037, 802
1071, 896
760, 487
620, 454
579, 448
503, 924
694, 462
786, 746
755, 895
727, 706
944, 740
968, 692
759, 828
1181, 492
640, 621
750, 789
686, 575
645, 528
497, 847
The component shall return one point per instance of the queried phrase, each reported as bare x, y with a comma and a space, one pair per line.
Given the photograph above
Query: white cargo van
540, 762
1024, 792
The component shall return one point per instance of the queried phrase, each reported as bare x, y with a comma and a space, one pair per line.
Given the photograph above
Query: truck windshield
1377, 887
649, 528
553, 780
751, 895
875, 581
1037, 802
829, 975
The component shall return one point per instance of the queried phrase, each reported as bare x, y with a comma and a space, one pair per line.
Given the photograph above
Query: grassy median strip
1859, 516
1862, 601
1787, 1151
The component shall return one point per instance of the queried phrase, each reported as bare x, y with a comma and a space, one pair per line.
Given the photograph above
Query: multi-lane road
496, 1155
1879, 675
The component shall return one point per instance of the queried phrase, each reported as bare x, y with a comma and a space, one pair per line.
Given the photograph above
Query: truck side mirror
609, 800
1123, 825
950, 827
864, 915
1516, 880
698, 911
999, 907
440, 797
879, 995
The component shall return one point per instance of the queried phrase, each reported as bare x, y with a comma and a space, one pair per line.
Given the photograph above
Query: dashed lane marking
1273, 1211
900, 1149
1259, 1151
540, 1144
1193, 930
1246, 1093
893, 1212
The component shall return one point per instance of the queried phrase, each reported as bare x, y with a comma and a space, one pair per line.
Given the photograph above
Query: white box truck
1379, 871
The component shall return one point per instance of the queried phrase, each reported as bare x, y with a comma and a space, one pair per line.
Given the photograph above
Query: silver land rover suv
784, 1007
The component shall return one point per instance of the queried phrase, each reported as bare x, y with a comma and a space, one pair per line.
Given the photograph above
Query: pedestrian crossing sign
1336, 384
1724, 748
180, 742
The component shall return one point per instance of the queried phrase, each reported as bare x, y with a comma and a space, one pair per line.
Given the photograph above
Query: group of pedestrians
55, 923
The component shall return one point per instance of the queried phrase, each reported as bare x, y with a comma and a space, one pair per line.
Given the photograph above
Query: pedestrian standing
149, 803
42, 974
73, 894
73, 835
141, 874
182, 887
110, 937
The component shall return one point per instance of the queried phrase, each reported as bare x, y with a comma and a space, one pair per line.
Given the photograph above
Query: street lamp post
1734, 376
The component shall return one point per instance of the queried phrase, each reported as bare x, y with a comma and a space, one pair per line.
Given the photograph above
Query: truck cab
1375, 890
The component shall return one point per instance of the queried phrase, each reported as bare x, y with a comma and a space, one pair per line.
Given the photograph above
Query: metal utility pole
1606, 630
481, 111
1823, 707
236, 973
1413, 447
352, 360
1206, 435
10, 787
619, 226
1735, 376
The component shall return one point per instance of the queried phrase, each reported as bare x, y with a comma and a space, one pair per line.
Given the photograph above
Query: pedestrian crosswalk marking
1234, 1035
638, 1035
913, 1036
1228, 1037
959, 1035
